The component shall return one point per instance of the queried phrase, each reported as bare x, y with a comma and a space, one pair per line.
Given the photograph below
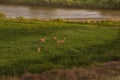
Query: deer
54, 37
38, 49
61, 41
42, 40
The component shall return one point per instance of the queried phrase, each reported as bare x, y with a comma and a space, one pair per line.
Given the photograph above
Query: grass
105, 71
85, 45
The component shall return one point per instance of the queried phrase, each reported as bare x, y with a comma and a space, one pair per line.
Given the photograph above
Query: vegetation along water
102, 4
58, 49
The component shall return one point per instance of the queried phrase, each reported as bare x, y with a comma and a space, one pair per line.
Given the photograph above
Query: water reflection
42, 12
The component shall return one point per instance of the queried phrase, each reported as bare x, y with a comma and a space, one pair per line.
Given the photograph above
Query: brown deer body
54, 38
39, 49
42, 40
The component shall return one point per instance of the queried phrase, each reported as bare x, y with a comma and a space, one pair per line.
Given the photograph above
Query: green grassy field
84, 45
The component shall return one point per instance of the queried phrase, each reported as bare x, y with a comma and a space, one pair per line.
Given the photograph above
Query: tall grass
105, 71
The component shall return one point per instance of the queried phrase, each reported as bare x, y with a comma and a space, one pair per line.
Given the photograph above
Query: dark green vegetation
103, 4
85, 45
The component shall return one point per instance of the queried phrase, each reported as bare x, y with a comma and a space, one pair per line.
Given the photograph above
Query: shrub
2, 15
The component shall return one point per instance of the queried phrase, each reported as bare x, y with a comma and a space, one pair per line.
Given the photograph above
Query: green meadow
85, 45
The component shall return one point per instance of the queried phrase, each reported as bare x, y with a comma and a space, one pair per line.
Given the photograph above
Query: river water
43, 12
